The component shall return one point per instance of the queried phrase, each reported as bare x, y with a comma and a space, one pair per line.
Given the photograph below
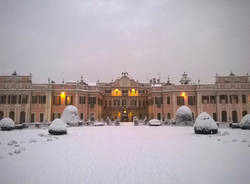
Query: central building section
124, 98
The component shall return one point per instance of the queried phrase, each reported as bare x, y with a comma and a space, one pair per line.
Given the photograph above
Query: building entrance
124, 117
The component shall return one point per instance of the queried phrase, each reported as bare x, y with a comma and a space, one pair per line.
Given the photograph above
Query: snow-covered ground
125, 154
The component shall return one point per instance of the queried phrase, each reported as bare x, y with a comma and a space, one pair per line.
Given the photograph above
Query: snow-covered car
234, 125
98, 123
154, 122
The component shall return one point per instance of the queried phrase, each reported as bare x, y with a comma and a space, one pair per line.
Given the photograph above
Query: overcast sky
99, 39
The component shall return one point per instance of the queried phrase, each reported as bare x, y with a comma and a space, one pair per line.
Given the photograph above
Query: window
117, 102
24, 99
191, 100
133, 102
12, 99
180, 100
205, 99
32, 117
82, 99
125, 92
56, 100
41, 117
158, 100
215, 116
124, 102
110, 102
141, 91
159, 116
233, 99
105, 103
92, 100
81, 116
34, 99
1, 115
12, 115
169, 115
234, 116
224, 116
69, 100
3, 99
212, 99
223, 99
22, 117
108, 91
168, 100
92, 116
42, 99
56, 115
244, 99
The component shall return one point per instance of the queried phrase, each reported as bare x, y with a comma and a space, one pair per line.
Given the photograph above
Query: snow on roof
91, 83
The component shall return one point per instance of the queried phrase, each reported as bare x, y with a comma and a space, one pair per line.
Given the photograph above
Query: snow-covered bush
136, 121
108, 120
117, 122
57, 127
70, 116
184, 116
154, 122
205, 124
245, 122
7, 124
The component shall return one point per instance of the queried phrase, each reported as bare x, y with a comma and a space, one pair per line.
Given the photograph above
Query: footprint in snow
234, 140
31, 141
13, 142
244, 140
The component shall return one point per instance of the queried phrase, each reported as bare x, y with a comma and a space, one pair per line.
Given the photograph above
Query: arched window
234, 116
22, 117
1, 115
12, 115
224, 116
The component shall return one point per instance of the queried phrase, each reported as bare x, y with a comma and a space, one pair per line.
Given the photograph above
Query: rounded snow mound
7, 124
205, 124
245, 122
184, 116
70, 116
154, 122
57, 127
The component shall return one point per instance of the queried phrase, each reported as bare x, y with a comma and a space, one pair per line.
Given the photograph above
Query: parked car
155, 122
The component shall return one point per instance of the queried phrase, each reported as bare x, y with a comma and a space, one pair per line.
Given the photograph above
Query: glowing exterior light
133, 92
116, 92
183, 94
62, 94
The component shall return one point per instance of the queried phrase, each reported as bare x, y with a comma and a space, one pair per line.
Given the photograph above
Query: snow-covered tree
7, 124
205, 124
184, 116
245, 122
70, 116
57, 127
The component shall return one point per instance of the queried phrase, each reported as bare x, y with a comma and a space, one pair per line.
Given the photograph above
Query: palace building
227, 100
